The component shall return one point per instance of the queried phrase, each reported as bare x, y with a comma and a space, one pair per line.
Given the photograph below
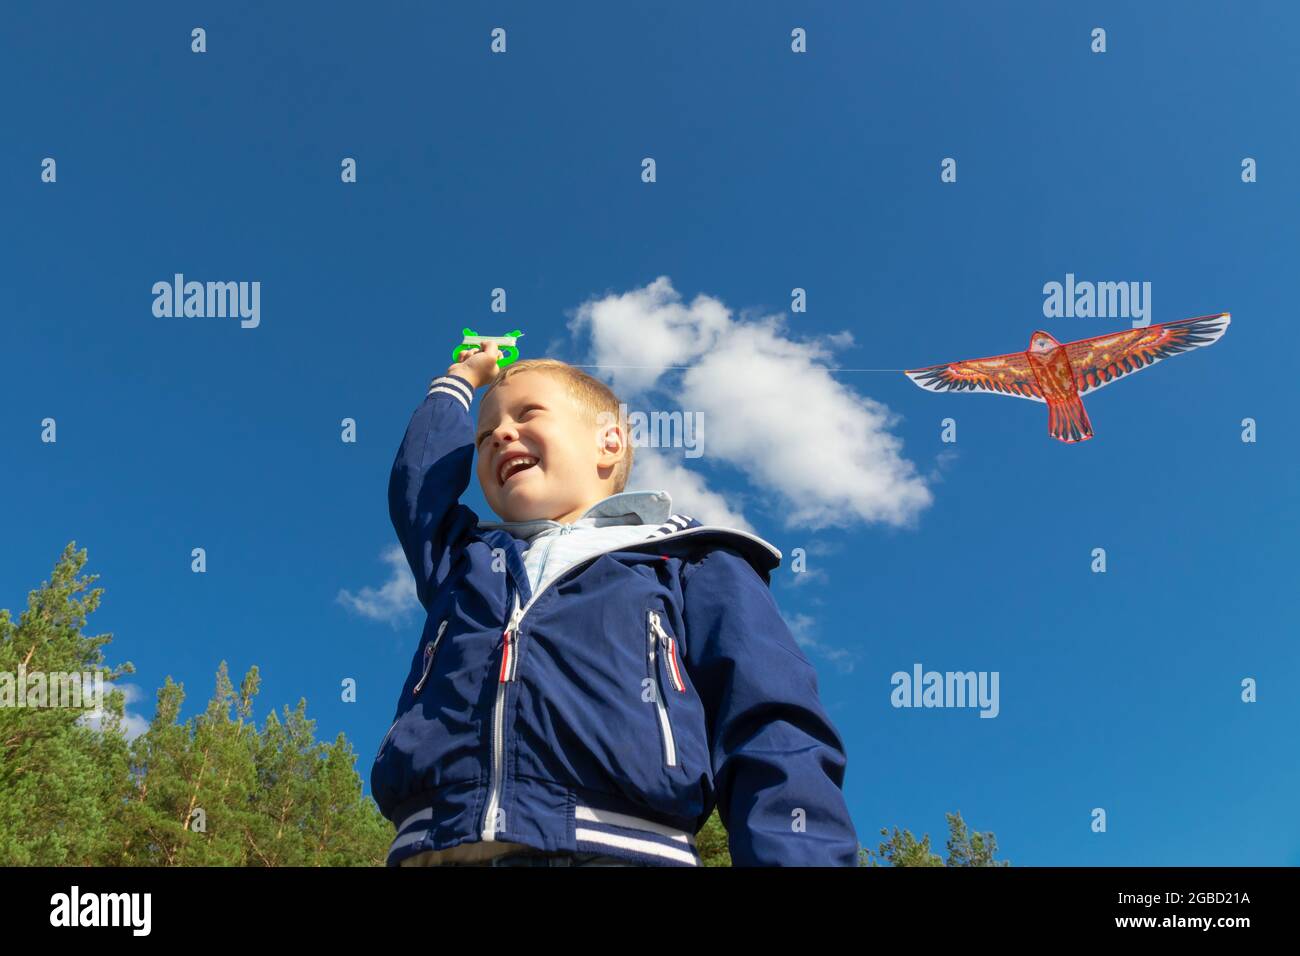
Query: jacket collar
651, 508
627, 507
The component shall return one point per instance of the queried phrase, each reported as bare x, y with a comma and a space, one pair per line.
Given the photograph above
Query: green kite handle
506, 343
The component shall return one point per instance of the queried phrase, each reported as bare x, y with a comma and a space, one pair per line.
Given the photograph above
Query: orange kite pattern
1061, 374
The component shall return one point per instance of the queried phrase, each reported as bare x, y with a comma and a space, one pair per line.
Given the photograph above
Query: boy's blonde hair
590, 394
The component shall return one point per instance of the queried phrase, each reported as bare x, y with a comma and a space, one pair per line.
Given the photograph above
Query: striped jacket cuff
455, 386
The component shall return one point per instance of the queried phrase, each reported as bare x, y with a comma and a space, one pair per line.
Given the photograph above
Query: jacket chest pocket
665, 674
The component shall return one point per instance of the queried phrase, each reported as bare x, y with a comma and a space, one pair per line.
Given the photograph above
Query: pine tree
970, 849
903, 849
212, 791
964, 848
61, 782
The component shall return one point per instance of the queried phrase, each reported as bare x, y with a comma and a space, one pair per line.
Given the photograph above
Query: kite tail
1068, 421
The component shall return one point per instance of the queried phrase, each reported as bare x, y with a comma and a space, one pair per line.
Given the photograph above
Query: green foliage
60, 781
902, 849
711, 842
210, 792
965, 848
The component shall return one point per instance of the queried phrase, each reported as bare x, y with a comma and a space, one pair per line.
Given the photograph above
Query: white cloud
769, 405
394, 600
133, 725
652, 470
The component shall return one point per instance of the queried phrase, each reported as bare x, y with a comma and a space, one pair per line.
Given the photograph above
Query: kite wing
1000, 375
1101, 360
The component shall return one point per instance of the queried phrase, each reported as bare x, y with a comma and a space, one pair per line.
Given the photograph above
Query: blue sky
774, 171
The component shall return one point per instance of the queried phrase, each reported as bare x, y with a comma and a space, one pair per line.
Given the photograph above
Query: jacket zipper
430, 650
670, 648
508, 659
510, 671
656, 635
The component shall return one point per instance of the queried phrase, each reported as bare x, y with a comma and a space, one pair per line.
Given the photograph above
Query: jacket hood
626, 507
655, 508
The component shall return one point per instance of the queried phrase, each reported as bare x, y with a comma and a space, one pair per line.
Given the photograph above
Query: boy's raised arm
431, 472
778, 763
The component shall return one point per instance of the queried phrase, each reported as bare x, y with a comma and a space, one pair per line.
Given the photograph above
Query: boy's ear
612, 440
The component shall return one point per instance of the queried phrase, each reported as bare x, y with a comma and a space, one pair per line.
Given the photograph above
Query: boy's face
532, 413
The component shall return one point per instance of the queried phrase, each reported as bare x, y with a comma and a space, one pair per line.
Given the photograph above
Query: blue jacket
613, 709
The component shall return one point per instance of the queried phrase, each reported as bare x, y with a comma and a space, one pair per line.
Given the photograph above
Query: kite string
822, 367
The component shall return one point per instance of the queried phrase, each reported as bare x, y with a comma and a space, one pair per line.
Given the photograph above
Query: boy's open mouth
513, 465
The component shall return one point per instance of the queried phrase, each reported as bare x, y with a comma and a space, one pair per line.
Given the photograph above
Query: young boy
596, 672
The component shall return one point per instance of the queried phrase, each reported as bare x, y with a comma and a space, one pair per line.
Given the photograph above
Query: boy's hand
477, 365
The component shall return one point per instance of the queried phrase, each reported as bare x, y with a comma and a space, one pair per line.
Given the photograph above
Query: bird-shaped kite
1060, 374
